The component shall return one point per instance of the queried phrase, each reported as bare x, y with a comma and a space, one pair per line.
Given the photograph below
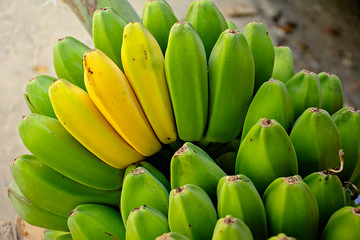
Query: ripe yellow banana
143, 64
80, 117
112, 94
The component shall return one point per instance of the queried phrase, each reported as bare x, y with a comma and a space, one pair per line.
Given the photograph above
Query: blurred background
324, 35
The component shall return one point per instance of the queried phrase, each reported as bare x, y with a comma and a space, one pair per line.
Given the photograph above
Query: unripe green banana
331, 90
107, 31
263, 52
67, 57
231, 82
146, 223
95, 222
191, 212
172, 236
291, 208
208, 22
344, 224
191, 165
237, 196
53, 191
271, 152
231, 25
231, 228
283, 64
305, 91
50, 234
153, 170
48, 140
33, 214
347, 121
316, 140
272, 101
186, 75
158, 18
148, 191
281, 236
328, 192
37, 96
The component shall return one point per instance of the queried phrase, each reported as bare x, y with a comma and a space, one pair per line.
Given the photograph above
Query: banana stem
341, 156
84, 10
354, 195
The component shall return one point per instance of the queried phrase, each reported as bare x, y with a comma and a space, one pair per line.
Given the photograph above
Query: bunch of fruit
186, 130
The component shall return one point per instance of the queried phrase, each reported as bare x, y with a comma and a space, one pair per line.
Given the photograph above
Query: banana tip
356, 211
291, 180
181, 150
229, 220
73, 212
179, 190
266, 122
137, 171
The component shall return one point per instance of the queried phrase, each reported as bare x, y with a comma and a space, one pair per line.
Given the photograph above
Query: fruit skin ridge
113, 96
186, 75
80, 117
48, 140
143, 64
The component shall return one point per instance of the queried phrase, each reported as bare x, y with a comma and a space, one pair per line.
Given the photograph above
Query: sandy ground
321, 40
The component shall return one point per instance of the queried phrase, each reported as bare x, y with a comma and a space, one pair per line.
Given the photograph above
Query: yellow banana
143, 64
80, 117
112, 94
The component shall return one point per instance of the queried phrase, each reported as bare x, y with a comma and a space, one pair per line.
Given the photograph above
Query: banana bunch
186, 130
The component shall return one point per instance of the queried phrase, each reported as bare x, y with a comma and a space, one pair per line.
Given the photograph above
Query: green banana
344, 224
283, 64
231, 228
33, 214
191, 212
263, 52
148, 191
67, 57
153, 170
158, 18
328, 192
271, 152
230, 62
94, 222
316, 140
107, 31
231, 25
347, 121
50, 234
208, 22
37, 96
305, 91
281, 236
191, 165
331, 92
237, 196
48, 140
53, 191
291, 208
272, 101
186, 75
146, 223
66, 236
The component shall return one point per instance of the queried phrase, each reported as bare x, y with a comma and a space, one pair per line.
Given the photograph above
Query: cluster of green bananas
186, 130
